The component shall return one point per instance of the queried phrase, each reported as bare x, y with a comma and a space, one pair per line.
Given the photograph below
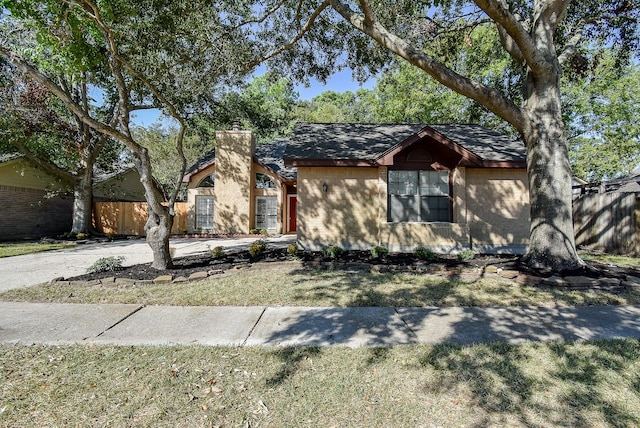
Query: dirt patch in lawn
354, 261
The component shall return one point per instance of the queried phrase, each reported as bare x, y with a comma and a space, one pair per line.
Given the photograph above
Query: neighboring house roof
121, 185
270, 155
632, 182
370, 142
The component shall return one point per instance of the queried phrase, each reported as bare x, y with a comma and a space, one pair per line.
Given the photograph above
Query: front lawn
290, 284
9, 249
592, 384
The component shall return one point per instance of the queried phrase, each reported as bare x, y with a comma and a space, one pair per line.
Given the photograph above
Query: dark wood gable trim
464, 157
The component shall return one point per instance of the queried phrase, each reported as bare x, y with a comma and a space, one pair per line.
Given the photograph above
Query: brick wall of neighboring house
30, 214
498, 209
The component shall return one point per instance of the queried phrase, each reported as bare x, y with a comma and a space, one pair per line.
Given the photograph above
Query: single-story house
34, 203
447, 187
122, 185
37, 204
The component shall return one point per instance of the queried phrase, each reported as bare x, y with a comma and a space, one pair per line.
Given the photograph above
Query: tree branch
485, 95
294, 40
497, 11
44, 164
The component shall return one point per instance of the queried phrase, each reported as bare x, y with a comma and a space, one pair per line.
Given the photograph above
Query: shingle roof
270, 155
348, 141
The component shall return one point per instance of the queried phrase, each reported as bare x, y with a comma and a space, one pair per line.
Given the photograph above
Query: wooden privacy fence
608, 221
129, 218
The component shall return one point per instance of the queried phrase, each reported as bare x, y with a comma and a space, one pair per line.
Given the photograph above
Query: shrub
424, 253
257, 248
217, 252
292, 249
466, 255
106, 264
379, 252
81, 235
332, 251
263, 232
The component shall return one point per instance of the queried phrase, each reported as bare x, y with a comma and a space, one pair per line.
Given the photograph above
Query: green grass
19, 248
622, 261
289, 284
593, 384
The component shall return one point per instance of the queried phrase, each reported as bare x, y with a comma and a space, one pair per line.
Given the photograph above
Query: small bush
292, 249
106, 264
81, 236
217, 252
263, 232
379, 252
257, 248
332, 251
466, 255
424, 253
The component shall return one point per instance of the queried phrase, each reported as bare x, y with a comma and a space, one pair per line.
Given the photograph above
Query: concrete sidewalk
51, 323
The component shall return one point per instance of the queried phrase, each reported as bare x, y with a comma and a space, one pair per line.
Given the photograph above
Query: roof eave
296, 162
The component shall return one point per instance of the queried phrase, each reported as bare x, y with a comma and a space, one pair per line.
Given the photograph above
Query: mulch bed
185, 266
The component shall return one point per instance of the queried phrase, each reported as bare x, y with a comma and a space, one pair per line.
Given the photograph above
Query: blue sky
339, 82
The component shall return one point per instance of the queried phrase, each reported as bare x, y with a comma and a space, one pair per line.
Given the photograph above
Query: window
204, 212
264, 182
418, 196
208, 181
266, 212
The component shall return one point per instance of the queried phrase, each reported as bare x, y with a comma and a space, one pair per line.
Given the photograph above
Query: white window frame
266, 212
204, 211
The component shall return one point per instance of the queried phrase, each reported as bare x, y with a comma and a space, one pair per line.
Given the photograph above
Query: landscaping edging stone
469, 274
594, 276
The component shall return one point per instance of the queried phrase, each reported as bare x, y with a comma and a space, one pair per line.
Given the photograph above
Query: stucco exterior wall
225, 192
232, 203
498, 209
346, 215
490, 212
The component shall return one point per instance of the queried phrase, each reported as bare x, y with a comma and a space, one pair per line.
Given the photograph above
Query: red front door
293, 202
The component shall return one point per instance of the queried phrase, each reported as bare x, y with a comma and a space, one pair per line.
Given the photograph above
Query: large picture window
204, 212
419, 196
266, 212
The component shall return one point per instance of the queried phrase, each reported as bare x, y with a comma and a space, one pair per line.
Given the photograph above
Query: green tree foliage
603, 118
331, 106
265, 106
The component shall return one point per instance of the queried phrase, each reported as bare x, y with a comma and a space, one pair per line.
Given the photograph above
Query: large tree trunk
552, 242
158, 226
82, 202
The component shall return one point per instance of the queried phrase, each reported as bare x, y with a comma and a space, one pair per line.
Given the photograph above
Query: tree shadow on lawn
362, 289
577, 385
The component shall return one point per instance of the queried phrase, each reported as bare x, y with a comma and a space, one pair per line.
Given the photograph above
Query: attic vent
419, 155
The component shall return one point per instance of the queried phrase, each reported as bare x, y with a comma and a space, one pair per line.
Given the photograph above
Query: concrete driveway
31, 269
